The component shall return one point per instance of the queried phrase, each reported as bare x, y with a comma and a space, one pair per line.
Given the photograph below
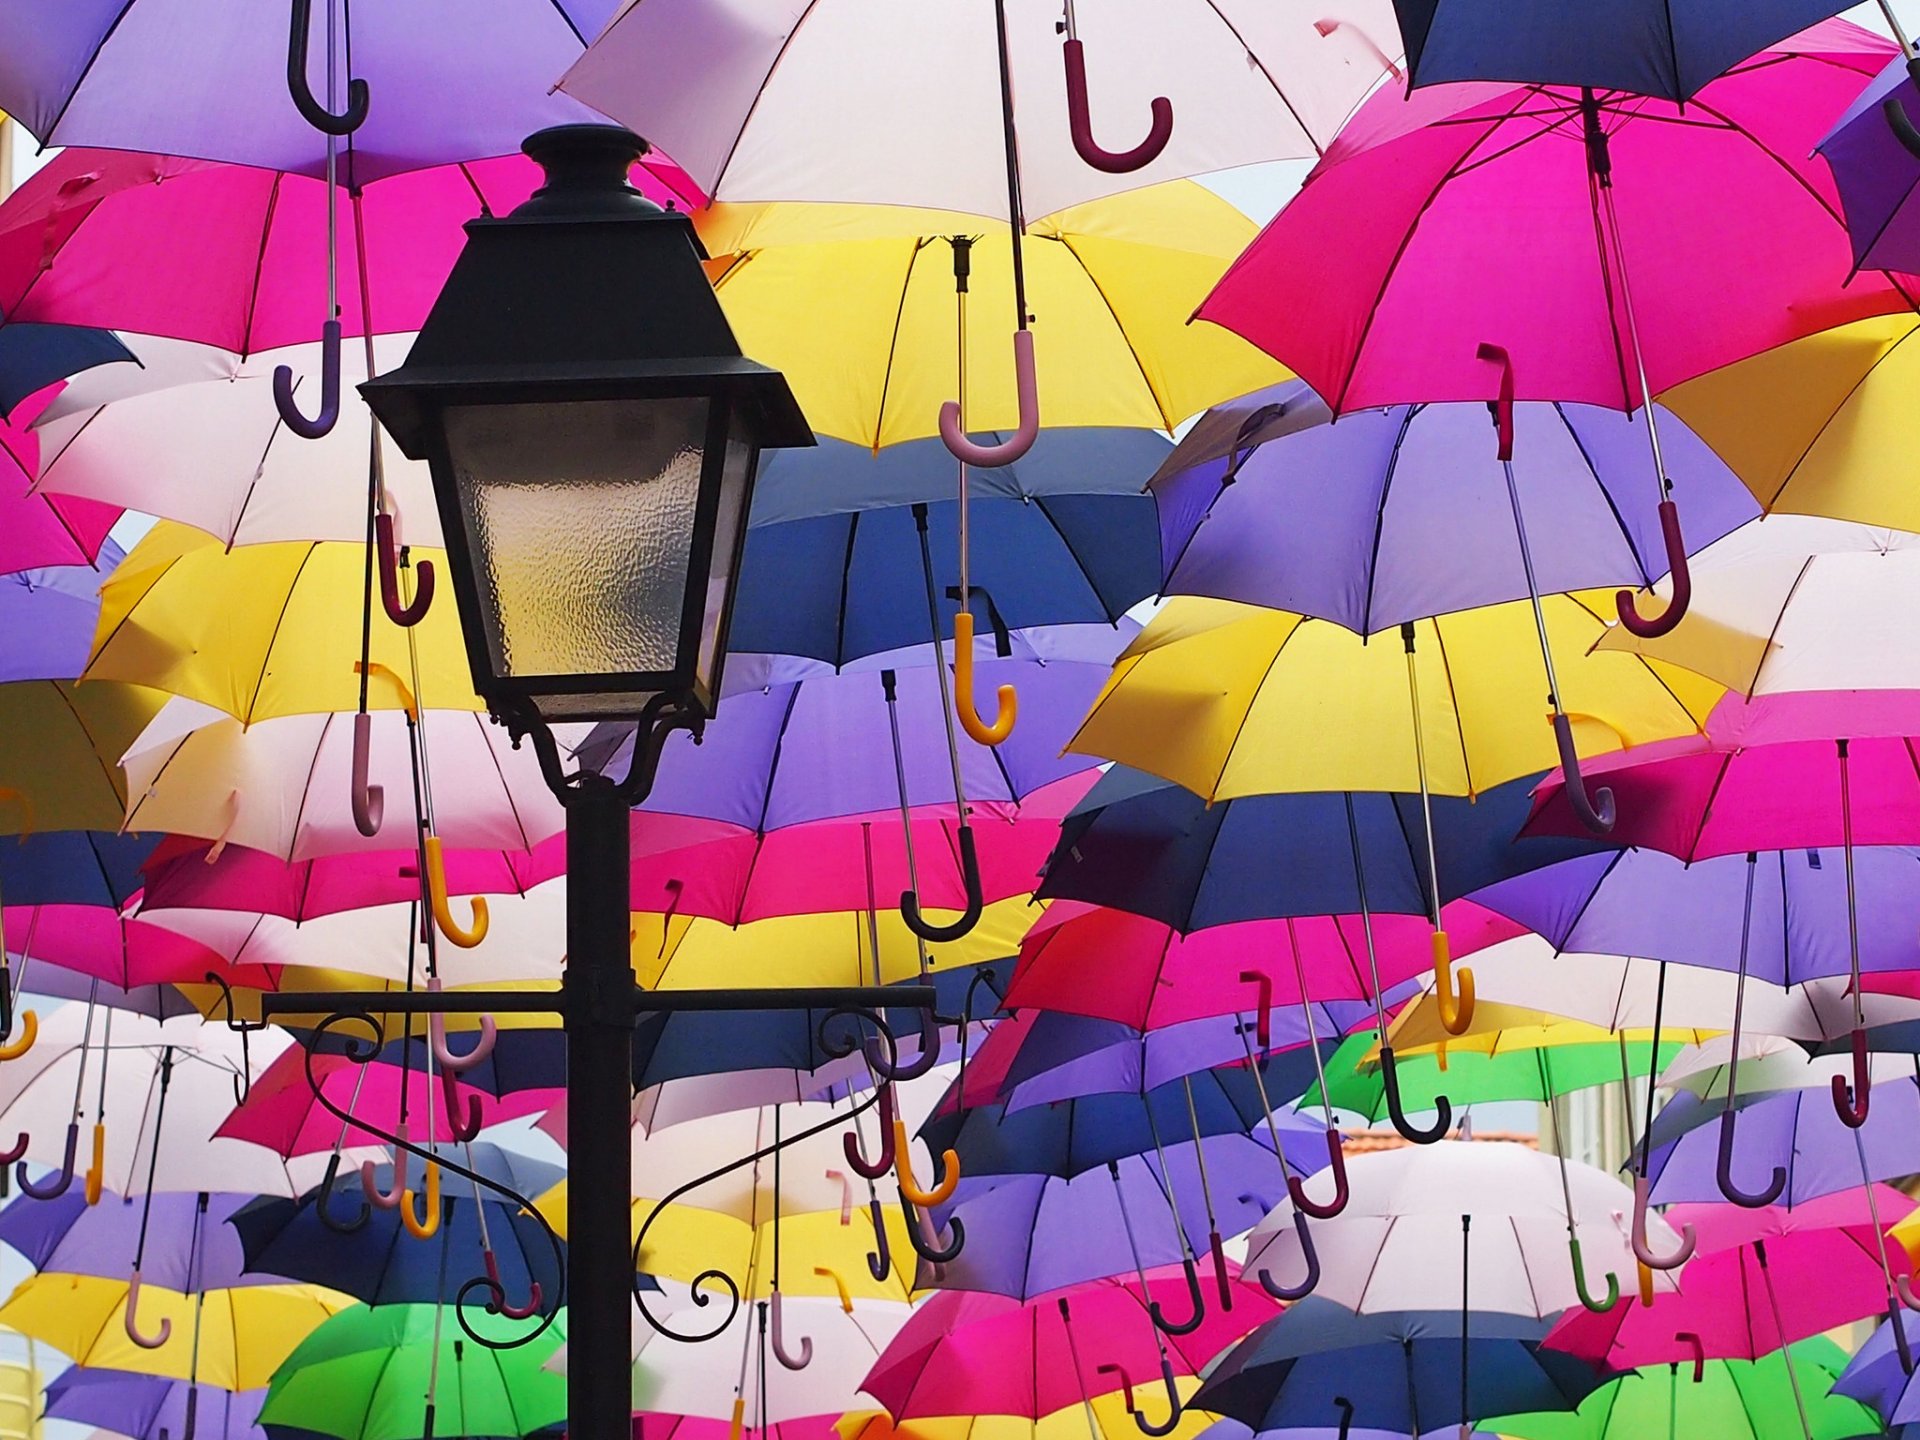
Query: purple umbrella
47, 617
1874, 153
151, 1407
1646, 903
1403, 513
68, 1236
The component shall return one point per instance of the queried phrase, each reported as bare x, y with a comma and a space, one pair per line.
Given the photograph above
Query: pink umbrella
96, 941
40, 531
1759, 1280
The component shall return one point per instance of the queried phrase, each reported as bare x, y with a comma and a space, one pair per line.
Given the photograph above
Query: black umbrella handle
880, 1258
324, 1197
1192, 1322
56, 1185
1346, 1415
924, 1247
311, 110
1443, 1107
283, 399
960, 928
1290, 1293
1750, 1199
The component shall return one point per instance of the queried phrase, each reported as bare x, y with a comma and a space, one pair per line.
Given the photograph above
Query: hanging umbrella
73, 867
1741, 1399
34, 358
1400, 513
292, 775
1876, 1377
1108, 1417
49, 614
42, 530
832, 570
1871, 150
188, 1248
363, 1376
1231, 700
1320, 1366
143, 1406
58, 744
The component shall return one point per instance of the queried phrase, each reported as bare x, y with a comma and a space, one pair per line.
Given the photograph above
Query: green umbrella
1473, 1076
365, 1374
1731, 1400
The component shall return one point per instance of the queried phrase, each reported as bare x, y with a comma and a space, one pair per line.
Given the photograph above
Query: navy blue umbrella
1144, 845
73, 867
832, 568
1668, 48
1319, 1366
33, 356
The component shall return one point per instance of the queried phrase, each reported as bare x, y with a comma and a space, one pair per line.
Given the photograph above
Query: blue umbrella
1140, 844
47, 616
73, 867
33, 356
1876, 1377
832, 567
1668, 48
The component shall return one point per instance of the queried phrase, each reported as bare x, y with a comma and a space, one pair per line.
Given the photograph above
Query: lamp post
592, 430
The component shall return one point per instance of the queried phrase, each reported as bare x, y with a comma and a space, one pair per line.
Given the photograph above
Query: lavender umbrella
1876, 170
67, 1236
48, 615
152, 1407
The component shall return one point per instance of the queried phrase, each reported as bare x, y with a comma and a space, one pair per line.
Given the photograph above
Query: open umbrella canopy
74, 867
1876, 173
1108, 1416
58, 746
1875, 1377
144, 1407
189, 1246
42, 530
48, 613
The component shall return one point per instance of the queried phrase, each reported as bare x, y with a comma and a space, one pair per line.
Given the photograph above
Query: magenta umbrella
42, 531
1606, 242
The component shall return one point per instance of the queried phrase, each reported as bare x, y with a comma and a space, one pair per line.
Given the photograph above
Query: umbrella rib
846, 590
100, 644
1260, 65
133, 806
1520, 1250
1560, 946
513, 808
260, 265
1040, 503
1246, 716
1167, 421
720, 170
1218, 815
1773, 630
60, 688
920, 242
300, 810
266, 657
567, 20
1453, 697
1380, 515
1820, 433
80, 80
1619, 519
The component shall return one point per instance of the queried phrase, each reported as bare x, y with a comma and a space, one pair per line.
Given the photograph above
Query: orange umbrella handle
465, 936
425, 1224
903, 1171
1004, 696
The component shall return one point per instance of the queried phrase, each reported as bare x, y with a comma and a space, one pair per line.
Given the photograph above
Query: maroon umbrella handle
1175, 1410
1222, 1281
881, 1057
14, 1151
1850, 1102
1598, 813
1192, 1322
1898, 1322
1896, 114
1346, 1416
1126, 1380
1080, 127
1676, 611
369, 801
1751, 1200
405, 615
193, 1413
1337, 1163
850, 1142
1501, 407
55, 1186
1263, 1017
1693, 1342
311, 110
1290, 1293
462, 1126
283, 399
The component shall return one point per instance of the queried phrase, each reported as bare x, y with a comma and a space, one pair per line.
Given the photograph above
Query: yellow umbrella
267, 630
240, 1336
857, 305
1230, 699
1108, 1415
1498, 1029
60, 746
1822, 426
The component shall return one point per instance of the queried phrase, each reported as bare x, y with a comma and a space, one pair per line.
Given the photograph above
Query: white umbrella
1398, 1245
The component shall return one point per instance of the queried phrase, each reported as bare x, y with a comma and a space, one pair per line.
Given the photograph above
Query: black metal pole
599, 1016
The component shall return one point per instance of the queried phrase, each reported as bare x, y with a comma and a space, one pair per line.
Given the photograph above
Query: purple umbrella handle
1190, 1324
1027, 385
1290, 1293
55, 1187
323, 1202
134, 1333
289, 408
1598, 1307
1898, 1322
798, 1361
1896, 113
1337, 1163
924, 1245
1597, 814
388, 1200
462, 1127
369, 801
1752, 1200
1850, 1102
1693, 1342
976, 899
1223, 1282
1643, 1252
1346, 1416
498, 1292
1262, 1017
404, 615
850, 1142
1111, 162
1676, 610
880, 1258
311, 110
1443, 1117
885, 1067
1168, 1425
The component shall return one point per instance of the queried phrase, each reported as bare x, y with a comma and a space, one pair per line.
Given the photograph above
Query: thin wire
86, 1040
1366, 917
1653, 1072
1306, 1009
1420, 763
1533, 586
1853, 919
1199, 1150
1016, 207
906, 811
1893, 24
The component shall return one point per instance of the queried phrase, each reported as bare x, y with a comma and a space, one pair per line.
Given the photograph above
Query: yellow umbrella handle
424, 1225
465, 936
903, 1171
1646, 1282
739, 1417
827, 1272
97, 1171
1005, 697
25, 803
29, 1032
375, 670
1456, 1006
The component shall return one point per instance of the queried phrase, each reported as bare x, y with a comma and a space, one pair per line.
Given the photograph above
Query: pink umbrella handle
1896, 114
850, 1142
1676, 610
462, 1126
498, 1302
1337, 1163
369, 801
437, 1039
1263, 1017
1306, 1287
1693, 1342
846, 1195
371, 1187
1597, 814
134, 1333
1027, 386
1080, 122
289, 407
409, 614
1850, 1102
311, 110
1642, 1251
1502, 407
1126, 1380
56, 1186
880, 1258
1751, 1200
795, 1361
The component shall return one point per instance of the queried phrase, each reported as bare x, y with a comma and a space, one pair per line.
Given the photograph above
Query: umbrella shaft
1632, 338
1533, 585
1886, 11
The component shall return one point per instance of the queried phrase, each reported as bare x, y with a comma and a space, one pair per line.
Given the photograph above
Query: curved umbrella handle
1597, 814
1126, 1380
289, 407
324, 1197
437, 1038
389, 556
948, 1169
424, 1224
1222, 1281
387, 1199
880, 1258
14, 1151
881, 1058
1306, 1287
134, 1333
1346, 1405
1443, 1108
29, 1032
1751, 1200
827, 1272
463, 1121
1902, 127
1337, 1163
97, 1171
369, 801
465, 936
1676, 610
976, 899
924, 1244
1643, 1252
311, 110
1452, 990
791, 1362
193, 1410
850, 1142
1004, 697
1263, 1017
1693, 1342
1598, 1307
1850, 1102
1007, 451
1111, 162
1898, 1321
1172, 1422
498, 1301
1192, 1322
56, 1185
